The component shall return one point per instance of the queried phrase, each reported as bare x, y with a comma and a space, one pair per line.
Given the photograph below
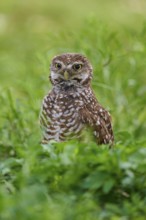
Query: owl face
70, 68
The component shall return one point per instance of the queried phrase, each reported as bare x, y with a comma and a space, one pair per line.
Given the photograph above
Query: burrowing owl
71, 104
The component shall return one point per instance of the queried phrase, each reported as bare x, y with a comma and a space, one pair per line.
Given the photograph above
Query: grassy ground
72, 180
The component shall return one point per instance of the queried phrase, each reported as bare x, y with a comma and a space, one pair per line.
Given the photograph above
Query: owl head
71, 68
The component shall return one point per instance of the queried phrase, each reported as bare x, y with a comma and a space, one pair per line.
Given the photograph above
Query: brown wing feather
100, 120
103, 128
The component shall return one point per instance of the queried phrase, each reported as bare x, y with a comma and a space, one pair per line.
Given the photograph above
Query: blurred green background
25, 27
72, 180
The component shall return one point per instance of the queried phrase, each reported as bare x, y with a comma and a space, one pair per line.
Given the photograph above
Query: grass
72, 180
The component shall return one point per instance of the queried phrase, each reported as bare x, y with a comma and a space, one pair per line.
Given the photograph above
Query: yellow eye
77, 66
58, 65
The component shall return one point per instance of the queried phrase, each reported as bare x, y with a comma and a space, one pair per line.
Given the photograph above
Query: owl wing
99, 120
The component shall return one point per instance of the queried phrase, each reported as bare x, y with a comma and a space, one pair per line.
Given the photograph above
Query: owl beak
66, 75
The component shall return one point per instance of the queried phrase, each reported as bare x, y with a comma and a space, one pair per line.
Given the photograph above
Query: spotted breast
60, 116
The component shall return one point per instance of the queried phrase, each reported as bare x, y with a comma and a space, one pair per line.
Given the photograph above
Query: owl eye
77, 66
58, 65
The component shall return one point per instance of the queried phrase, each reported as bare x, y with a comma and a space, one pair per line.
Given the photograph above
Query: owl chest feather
63, 114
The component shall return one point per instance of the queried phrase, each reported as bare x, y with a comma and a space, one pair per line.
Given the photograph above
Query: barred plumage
71, 105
